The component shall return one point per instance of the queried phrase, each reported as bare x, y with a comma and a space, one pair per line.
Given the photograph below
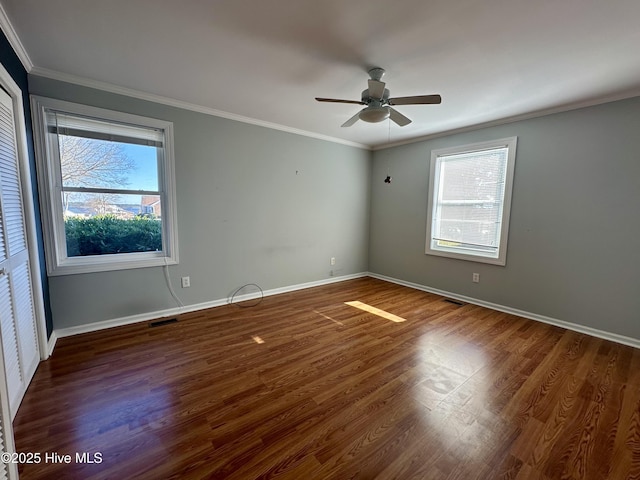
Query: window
107, 188
469, 201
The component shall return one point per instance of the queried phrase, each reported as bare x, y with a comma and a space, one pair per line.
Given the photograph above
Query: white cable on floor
169, 285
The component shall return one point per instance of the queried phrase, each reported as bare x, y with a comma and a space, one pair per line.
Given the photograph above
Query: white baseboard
614, 337
170, 312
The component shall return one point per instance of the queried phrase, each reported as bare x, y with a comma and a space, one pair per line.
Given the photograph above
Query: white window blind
79, 126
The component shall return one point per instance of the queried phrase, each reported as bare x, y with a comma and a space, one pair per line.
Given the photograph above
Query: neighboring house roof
70, 213
81, 209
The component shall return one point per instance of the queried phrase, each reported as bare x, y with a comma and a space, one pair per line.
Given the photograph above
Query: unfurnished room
320, 240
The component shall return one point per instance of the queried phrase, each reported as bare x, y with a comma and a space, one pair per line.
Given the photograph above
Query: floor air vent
455, 302
161, 323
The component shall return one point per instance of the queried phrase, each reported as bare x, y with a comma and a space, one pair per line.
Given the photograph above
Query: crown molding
150, 97
14, 40
517, 118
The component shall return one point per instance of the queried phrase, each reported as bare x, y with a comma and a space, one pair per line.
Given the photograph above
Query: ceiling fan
378, 104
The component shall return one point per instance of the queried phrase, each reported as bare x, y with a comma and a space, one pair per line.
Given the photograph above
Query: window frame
50, 186
433, 193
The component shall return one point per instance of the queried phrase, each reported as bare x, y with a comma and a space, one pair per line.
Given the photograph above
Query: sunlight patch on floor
329, 318
376, 311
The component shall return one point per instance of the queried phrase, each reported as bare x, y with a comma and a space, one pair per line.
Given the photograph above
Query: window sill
468, 257
105, 263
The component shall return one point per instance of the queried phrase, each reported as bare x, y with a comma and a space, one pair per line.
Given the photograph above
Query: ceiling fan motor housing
377, 109
366, 98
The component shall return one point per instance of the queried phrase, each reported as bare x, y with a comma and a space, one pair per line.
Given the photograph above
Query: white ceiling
267, 59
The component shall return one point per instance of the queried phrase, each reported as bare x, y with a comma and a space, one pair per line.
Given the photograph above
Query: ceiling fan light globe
374, 115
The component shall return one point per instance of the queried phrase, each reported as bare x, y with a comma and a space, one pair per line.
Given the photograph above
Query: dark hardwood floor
304, 386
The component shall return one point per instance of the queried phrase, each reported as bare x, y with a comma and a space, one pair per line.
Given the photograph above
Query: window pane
99, 224
90, 163
471, 225
469, 208
478, 176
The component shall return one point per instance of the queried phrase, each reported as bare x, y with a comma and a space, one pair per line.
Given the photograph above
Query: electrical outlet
476, 278
333, 260
186, 282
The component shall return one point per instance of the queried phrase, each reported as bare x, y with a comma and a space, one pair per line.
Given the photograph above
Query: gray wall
244, 214
575, 219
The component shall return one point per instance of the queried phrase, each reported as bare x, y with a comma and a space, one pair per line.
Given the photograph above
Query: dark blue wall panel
12, 64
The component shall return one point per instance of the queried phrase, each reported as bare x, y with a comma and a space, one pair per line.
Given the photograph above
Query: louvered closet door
17, 315
7, 470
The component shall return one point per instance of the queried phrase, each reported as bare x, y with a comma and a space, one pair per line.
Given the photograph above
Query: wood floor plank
304, 386
551, 431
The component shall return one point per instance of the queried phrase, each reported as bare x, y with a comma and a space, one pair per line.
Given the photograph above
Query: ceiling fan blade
417, 100
335, 100
376, 89
352, 120
397, 117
